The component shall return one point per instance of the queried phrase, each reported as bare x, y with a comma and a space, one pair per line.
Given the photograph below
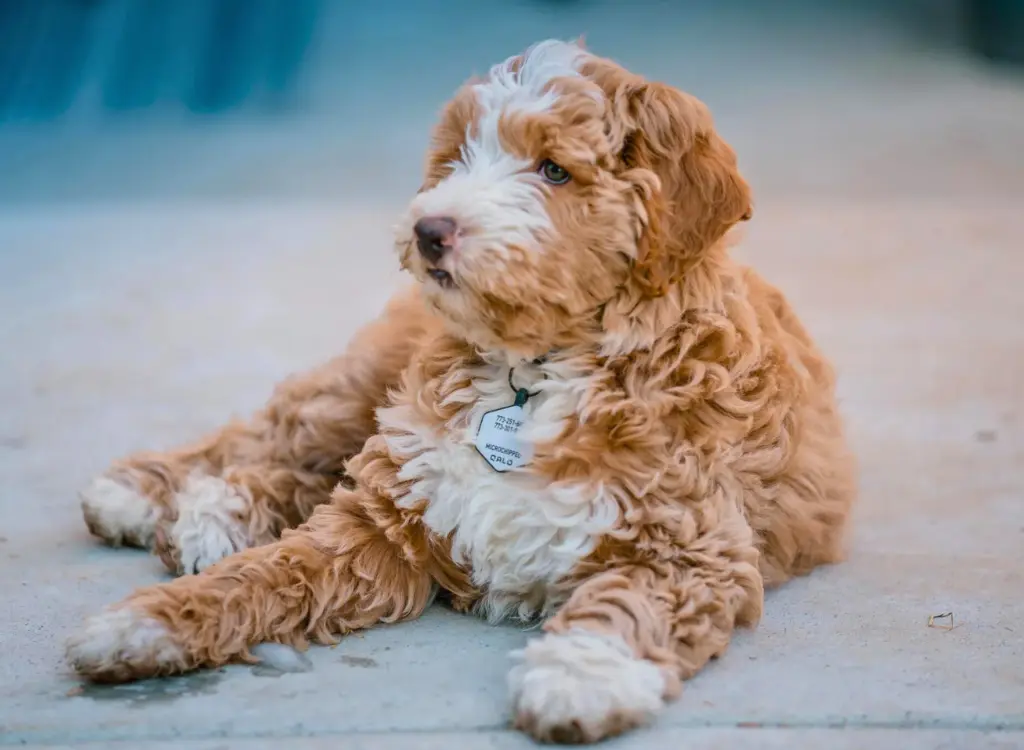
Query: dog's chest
516, 533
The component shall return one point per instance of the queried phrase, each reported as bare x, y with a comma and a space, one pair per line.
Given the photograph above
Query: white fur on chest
517, 534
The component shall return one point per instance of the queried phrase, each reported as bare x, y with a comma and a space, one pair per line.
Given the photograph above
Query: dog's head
557, 183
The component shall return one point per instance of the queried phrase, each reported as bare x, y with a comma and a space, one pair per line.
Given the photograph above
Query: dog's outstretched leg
621, 644
249, 481
353, 564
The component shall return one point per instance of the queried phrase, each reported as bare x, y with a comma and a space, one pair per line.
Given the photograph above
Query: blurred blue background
185, 99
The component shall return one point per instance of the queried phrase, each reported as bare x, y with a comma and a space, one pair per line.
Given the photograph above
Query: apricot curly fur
687, 447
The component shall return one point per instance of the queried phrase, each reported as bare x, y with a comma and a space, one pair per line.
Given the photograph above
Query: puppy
584, 413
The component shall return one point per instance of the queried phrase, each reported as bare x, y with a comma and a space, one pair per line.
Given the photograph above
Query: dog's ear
699, 193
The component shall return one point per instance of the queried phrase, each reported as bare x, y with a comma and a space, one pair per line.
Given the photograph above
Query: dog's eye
553, 173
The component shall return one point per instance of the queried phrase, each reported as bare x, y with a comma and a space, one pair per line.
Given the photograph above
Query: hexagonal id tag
498, 439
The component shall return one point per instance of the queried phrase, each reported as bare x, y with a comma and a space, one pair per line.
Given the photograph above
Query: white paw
119, 514
120, 644
581, 687
210, 523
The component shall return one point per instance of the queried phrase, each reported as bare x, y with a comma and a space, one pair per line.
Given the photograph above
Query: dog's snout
435, 236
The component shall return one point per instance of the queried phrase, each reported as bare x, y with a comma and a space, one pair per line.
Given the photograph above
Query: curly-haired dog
584, 412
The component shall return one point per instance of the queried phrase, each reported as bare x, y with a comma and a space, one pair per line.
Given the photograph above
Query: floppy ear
699, 193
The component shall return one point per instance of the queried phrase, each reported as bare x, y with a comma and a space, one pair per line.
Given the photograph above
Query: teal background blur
159, 99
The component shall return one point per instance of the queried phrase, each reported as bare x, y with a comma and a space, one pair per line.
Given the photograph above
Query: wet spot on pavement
146, 692
359, 661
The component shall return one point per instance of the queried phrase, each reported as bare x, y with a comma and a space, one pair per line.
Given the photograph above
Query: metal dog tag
498, 439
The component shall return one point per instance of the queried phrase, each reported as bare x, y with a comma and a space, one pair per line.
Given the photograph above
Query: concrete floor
159, 278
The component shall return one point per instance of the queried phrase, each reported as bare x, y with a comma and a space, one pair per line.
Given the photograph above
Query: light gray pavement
160, 278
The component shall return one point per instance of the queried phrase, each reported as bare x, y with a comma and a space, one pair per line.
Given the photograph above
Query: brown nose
434, 236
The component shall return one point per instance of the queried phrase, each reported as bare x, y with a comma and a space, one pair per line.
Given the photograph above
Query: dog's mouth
441, 277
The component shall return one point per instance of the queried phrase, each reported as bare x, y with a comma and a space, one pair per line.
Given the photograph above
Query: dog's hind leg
247, 482
353, 564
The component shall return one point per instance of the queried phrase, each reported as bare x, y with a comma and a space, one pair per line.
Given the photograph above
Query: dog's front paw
120, 645
579, 687
211, 525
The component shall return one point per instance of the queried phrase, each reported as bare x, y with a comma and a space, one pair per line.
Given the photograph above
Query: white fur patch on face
527, 89
211, 522
122, 637
496, 197
518, 535
582, 687
118, 514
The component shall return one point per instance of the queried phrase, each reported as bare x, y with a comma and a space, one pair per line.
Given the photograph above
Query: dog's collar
522, 394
